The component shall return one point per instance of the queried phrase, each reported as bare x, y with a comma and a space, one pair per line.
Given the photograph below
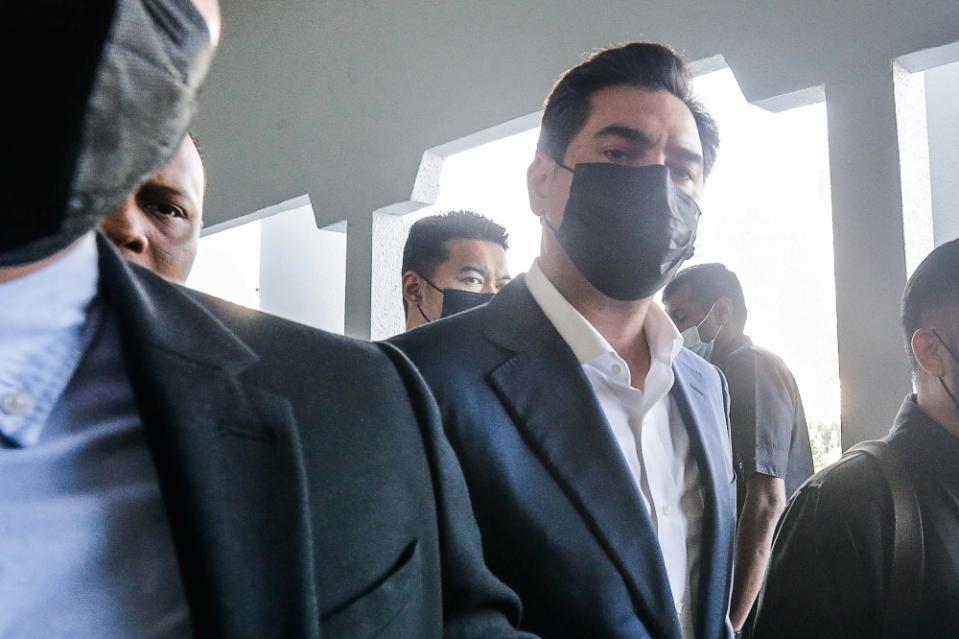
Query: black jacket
308, 486
833, 548
562, 521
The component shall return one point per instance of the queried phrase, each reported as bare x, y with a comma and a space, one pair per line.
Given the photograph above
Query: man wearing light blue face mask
771, 446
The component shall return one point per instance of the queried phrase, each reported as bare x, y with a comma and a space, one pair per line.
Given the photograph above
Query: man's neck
725, 344
938, 406
621, 323
10, 273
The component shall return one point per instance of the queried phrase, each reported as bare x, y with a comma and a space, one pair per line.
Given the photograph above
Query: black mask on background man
455, 300
101, 106
626, 228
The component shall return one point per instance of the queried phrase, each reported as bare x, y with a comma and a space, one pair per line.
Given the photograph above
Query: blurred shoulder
283, 342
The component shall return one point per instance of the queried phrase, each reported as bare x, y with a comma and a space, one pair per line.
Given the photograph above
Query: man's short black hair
426, 245
641, 64
707, 283
931, 298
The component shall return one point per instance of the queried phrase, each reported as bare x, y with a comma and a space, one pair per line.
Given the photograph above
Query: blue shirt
85, 544
43, 333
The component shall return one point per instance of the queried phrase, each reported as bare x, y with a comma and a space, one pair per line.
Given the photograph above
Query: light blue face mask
694, 341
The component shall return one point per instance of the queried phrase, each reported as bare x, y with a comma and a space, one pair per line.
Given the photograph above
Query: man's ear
537, 182
412, 288
929, 351
723, 311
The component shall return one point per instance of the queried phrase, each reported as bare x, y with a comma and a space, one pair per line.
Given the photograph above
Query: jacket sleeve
475, 603
827, 568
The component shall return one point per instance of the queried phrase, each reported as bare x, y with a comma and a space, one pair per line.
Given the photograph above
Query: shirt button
617, 369
667, 510
16, 402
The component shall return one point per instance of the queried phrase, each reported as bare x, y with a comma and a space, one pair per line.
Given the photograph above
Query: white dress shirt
649, 429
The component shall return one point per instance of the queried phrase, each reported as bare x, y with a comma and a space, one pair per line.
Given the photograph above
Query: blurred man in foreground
174, 465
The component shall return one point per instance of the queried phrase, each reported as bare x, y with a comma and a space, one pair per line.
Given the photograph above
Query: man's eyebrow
159, 188
625, 132
481, 270
688, 155
638, 137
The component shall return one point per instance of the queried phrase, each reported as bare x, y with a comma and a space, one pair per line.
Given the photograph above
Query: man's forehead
184, 172
462, 248
482, 255
645, 110
678, 297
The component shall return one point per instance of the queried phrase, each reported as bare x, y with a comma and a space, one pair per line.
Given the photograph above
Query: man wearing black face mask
451, 263
595, 448
173, 466
856, 558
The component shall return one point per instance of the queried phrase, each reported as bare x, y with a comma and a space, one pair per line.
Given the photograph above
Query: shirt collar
53, 299
45, 329
665, 340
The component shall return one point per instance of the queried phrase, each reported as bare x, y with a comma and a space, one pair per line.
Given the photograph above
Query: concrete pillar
869, 247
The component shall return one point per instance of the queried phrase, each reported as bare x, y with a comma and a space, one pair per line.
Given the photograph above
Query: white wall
277, 261
302, 270
942, 108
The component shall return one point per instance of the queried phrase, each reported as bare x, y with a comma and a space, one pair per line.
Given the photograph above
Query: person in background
173, 465
596, 449
831, 574
771, 449
158, 226
452, 262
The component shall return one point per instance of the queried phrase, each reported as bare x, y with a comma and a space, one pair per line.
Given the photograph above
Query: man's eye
680, 173
164, 209
472, 280
616, 155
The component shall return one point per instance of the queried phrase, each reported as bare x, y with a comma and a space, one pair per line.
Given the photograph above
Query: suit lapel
550, 400
227, 459
715, 479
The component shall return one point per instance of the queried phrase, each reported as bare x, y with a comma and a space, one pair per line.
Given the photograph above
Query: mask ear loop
708, 313
955, 359
425, 318
441, 291
543, 217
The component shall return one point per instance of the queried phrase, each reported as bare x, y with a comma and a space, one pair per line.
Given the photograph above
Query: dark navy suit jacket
309, 489
561, 519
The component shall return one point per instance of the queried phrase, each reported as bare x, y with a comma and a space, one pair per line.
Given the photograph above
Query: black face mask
627, 229
456, 301
113, 101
